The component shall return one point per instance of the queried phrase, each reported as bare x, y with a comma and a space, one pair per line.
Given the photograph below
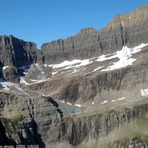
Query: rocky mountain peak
132, 19
87, 31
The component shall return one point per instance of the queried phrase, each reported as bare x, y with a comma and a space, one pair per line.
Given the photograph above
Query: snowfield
124, 57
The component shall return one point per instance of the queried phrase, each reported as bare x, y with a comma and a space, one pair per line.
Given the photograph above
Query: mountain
89, 90
129, 29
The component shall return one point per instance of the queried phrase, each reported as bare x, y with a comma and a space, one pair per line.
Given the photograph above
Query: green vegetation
137, 139
134, 132
142, 106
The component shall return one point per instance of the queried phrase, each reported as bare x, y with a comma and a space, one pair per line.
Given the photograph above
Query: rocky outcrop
26, 120
100, 86
40, 121
17, 53
79, 46
129, 29
85, 129
11, 74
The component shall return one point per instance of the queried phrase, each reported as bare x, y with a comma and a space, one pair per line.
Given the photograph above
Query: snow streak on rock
104, 102
78, 105
118, 99
98, 68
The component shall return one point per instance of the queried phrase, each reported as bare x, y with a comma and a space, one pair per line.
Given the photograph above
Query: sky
42, 21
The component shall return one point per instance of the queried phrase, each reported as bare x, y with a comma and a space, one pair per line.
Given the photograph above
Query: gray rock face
30, 118
40, 121
17, 52
129, 29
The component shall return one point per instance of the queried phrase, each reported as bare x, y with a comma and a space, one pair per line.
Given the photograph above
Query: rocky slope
36, 120
96, 98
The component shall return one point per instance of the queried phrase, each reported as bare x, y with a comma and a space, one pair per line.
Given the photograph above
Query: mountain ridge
90, 90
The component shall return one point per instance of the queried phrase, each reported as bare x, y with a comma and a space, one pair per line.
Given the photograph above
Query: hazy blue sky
42, 21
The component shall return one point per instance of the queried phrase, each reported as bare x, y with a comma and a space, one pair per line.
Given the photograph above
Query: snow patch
78, 105
23, 81
65, 63
54, 73
45, 95
71, 64
5, 67
122, 24
125, 57
121, 99
118, 99
69, 103
104, 102
97, 68
45, 65
144, 92
106, 57
62, 101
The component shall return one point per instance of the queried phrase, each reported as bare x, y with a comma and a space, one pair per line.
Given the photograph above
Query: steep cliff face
22, 119
40, 121
80, 46
16, 53
129, 29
